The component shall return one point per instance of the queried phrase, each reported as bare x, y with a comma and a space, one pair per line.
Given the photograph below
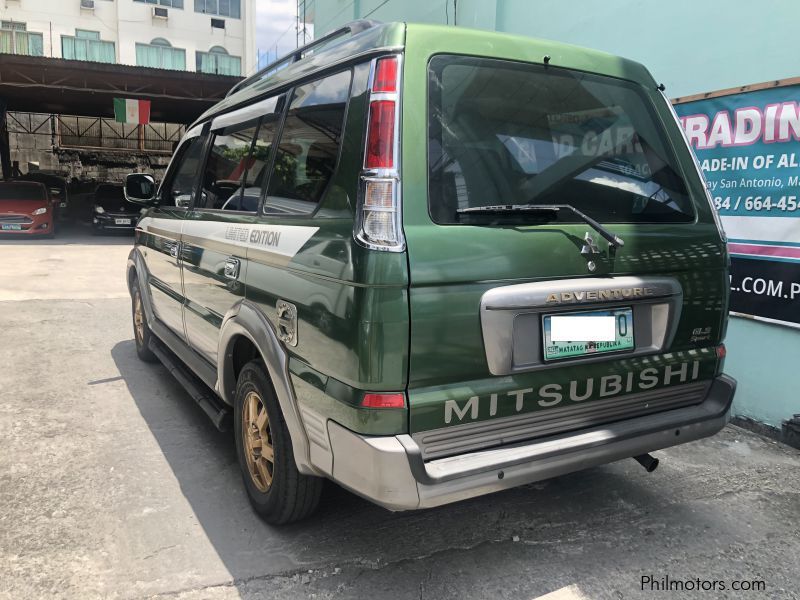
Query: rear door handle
232, 268
174, 249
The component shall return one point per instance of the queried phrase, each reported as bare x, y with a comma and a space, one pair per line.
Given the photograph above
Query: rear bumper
390, 470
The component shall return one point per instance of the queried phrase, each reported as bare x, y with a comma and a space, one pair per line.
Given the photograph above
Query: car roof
22, 182
381, 38
33, 175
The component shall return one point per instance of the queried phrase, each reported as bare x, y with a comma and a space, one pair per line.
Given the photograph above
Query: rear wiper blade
612, 238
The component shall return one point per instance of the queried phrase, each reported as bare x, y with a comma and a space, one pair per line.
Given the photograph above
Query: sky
275, 24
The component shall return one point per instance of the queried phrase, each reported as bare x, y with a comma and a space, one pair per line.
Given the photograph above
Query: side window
258, 169
306, 156
227, 163
181, 184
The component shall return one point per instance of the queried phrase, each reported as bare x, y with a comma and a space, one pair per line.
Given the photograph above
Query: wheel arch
137, 272
247, 332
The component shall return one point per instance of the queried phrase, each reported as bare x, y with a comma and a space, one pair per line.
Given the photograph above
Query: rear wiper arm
612, 238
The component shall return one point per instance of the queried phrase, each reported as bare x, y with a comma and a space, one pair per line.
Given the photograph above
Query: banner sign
748, 146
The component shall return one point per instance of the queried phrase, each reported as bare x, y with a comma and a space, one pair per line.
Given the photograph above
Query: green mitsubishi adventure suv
430, 263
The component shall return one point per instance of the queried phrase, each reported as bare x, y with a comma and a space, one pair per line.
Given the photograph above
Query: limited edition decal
284, 240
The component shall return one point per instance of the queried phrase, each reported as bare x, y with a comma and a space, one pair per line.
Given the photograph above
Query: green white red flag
136, 112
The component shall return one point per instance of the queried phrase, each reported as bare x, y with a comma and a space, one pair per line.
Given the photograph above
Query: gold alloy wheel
138, 319
257, 440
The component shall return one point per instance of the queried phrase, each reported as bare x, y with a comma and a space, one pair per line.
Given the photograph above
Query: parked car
58, 189
111, 211
26, 209
431, 263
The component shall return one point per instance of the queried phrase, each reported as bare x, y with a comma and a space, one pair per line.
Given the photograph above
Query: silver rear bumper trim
390, 471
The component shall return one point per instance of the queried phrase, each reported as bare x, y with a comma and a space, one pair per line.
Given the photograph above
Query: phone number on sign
756, 203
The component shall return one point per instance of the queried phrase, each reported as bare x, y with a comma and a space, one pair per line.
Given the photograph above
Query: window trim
202, 131
210, 132
339, 150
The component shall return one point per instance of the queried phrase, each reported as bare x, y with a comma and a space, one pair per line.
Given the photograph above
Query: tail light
379, 215
374, 400
721, 354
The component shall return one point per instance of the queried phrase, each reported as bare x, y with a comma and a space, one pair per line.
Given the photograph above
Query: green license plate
11, 227
570, 335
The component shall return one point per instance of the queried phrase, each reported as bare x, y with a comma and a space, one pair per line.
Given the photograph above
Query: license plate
122, 221
11, 227
570, 335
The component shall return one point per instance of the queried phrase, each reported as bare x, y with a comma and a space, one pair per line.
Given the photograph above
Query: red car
25, 209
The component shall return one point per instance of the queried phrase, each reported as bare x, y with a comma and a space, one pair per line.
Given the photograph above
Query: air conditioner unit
159, 12
87, 4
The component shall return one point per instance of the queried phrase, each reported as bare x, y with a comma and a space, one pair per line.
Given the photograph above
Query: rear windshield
22, 191
501, 132
109, 192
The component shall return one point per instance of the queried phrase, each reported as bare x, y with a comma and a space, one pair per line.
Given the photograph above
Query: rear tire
141, 329
278, 492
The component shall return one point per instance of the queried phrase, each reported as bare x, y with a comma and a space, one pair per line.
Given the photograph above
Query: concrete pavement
114, 484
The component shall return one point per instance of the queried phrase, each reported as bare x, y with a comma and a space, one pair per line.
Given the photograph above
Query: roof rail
352, 28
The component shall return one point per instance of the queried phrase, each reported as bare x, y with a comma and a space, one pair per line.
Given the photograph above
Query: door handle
174, 249
232, 268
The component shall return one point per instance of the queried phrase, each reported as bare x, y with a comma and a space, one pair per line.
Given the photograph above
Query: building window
223, 8
87, 45
218, 62
15, 39
160, 54
170, 3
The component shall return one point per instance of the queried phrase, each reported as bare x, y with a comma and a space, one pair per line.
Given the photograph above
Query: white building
211, 36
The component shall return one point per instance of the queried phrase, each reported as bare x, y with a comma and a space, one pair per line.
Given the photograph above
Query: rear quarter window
308, 151
502, 132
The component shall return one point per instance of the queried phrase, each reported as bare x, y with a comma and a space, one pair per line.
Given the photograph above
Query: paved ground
113, 484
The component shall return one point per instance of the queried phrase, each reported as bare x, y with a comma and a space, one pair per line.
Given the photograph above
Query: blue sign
748, 146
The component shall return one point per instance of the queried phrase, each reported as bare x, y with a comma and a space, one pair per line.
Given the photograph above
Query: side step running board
216, 410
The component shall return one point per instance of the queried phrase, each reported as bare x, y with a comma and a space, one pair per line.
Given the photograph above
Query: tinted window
258, 164
227, 163
513, 133
181, 183
22, 191
112, 198
306, 156
109, 192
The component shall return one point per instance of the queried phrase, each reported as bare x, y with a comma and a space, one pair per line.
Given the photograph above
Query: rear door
217, 228
159, 232
485, 286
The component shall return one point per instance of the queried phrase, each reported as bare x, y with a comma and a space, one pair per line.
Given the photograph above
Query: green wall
763, 358
691, 46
